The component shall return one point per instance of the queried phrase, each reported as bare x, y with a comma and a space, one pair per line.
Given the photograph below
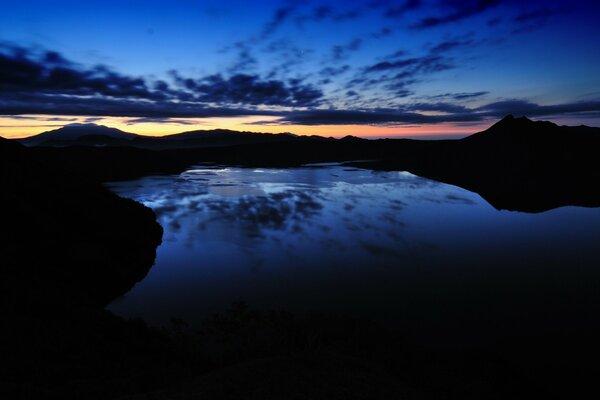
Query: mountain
516, 164
68, 134
223, 134
98, 135
513, 131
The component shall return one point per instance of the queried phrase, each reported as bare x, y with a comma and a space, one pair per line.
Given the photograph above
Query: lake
388, 246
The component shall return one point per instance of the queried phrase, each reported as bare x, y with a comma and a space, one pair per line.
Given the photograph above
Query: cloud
534, 19
448, 45
452, 113
23, 71
347, 15
161, 120
329, 72
326, 12
459, 10
460, 96
398, 10
318, 14
280, 16
244, 60
339, 52
529, 109
369, 117
251, 90
537, 14
39, 82
43, 82
111, 107
428, 63
383, 32
439, 107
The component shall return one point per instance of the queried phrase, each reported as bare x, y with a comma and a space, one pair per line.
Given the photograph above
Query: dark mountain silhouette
517, 164
511, 131
98, 135
76, 132
222, 134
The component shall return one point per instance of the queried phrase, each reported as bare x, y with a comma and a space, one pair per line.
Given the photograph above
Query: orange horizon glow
30, 125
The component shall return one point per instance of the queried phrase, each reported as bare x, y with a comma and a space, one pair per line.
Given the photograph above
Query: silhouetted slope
76, 132
517, 164
98, 135
68, 248
511, 131
224, 134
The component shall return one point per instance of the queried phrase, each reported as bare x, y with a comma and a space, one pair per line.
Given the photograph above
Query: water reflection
336, 239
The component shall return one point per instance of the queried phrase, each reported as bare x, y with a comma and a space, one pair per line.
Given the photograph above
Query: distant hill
222, 134
98, 135
91, 133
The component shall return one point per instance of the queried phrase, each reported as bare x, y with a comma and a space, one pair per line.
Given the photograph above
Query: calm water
388, 245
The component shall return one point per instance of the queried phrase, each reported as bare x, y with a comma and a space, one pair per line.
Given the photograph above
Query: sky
374, 68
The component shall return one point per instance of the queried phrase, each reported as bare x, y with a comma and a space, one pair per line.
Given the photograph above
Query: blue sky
381, 68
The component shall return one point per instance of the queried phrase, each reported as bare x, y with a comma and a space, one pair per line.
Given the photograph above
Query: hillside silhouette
70, 246
99, 135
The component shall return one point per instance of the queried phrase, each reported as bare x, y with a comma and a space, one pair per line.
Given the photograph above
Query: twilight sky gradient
367, 68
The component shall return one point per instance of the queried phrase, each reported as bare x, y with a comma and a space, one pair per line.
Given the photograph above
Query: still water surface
385, 245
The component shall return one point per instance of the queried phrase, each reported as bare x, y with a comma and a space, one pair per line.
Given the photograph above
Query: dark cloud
347, 15
104, 107
329, 72
534, 19
471, 95
494, 22
340, 52
370, 117
327, 12
460, 96
453, 113
428, 63
34, 118
397, 54
458, 10
439, 107
250, 90
399, 86
45, 82
244, 59
383, 32
318, 14
400, 8
90, 120
527, 108
160, 120
410, 70
448, 45
537, 14
287, 57
280, 16
24, 71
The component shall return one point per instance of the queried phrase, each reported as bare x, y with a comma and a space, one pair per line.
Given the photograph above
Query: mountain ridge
509, 129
